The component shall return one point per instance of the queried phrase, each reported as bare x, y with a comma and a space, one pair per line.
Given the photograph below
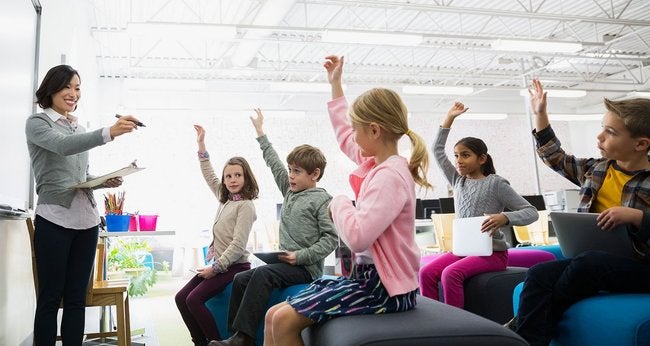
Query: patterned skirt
360, 294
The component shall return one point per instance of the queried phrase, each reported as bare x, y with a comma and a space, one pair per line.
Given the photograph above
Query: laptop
467, 238
579, 232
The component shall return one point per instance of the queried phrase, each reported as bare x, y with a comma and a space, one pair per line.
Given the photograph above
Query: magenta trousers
452, 271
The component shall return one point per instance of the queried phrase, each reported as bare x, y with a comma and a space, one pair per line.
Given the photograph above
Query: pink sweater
384, 219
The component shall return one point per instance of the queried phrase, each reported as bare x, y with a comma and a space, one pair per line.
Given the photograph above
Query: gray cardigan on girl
490, 195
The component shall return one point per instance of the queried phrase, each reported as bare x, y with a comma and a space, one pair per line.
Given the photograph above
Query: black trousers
552, 287
64, 260
251, 291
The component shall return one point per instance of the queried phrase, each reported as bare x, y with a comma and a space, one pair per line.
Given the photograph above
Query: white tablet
468, 240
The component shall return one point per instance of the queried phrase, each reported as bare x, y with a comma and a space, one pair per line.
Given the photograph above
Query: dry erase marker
135, 122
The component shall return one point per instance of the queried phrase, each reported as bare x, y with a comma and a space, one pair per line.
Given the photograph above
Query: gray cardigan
59, 157
490, 195
305, 225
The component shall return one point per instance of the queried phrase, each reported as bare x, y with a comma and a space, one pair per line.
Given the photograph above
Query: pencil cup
148, 222
117, 223
134, 223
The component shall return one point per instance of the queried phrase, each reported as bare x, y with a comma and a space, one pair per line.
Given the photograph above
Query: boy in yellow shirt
617, 186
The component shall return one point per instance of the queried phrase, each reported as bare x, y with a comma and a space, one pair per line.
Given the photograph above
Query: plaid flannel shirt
589, 174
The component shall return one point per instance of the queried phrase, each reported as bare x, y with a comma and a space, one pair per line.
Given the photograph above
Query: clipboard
130, 169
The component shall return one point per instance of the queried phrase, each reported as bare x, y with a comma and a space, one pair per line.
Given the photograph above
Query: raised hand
334, 66
537, 97
538, 105
200, 138
456, 109
200, 133
258, 122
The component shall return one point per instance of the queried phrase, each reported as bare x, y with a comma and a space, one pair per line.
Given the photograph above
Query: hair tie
408, 132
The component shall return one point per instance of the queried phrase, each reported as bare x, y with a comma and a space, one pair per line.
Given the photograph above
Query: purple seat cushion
518, 257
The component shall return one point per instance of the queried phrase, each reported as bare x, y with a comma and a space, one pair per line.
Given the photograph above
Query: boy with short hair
617, 186
307, 235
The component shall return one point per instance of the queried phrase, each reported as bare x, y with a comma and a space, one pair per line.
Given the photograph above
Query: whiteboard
17, 31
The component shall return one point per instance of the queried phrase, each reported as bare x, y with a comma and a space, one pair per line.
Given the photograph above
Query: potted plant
130, 258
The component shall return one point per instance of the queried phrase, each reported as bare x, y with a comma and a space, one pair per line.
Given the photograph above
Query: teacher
66, 224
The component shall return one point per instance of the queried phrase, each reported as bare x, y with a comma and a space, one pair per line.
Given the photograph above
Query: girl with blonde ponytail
379, 228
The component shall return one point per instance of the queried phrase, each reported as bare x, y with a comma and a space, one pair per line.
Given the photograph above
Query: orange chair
535, 233
443, 226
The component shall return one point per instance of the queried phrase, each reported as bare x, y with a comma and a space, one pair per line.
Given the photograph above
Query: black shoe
238, 339
512, 324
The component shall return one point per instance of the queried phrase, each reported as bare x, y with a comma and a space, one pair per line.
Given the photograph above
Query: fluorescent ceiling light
284, 114
301, 87
182, 31
645, 94
365, 37
575, 117
165, 84
483, 116
536, 46
567, 93
437, 90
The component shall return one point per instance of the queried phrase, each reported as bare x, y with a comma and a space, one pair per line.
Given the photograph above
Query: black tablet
269, 257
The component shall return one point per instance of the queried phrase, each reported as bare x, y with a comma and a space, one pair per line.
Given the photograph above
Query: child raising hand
379, 230
478, 191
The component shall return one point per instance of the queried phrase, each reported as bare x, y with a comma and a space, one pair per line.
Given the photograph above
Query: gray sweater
232, 225
59, 157
490, 195
305, 225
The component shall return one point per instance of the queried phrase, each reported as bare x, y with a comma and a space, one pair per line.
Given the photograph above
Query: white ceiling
281, 40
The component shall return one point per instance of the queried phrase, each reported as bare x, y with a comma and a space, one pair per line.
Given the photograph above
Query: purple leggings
452, 271
191, 299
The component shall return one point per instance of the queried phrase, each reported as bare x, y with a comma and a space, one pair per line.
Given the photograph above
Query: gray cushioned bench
430, 323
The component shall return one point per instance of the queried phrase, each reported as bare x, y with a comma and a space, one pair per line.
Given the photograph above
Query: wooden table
104, 322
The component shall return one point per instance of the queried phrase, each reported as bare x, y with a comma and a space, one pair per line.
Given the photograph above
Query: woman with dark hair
232, 225
478, 191
66, 224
